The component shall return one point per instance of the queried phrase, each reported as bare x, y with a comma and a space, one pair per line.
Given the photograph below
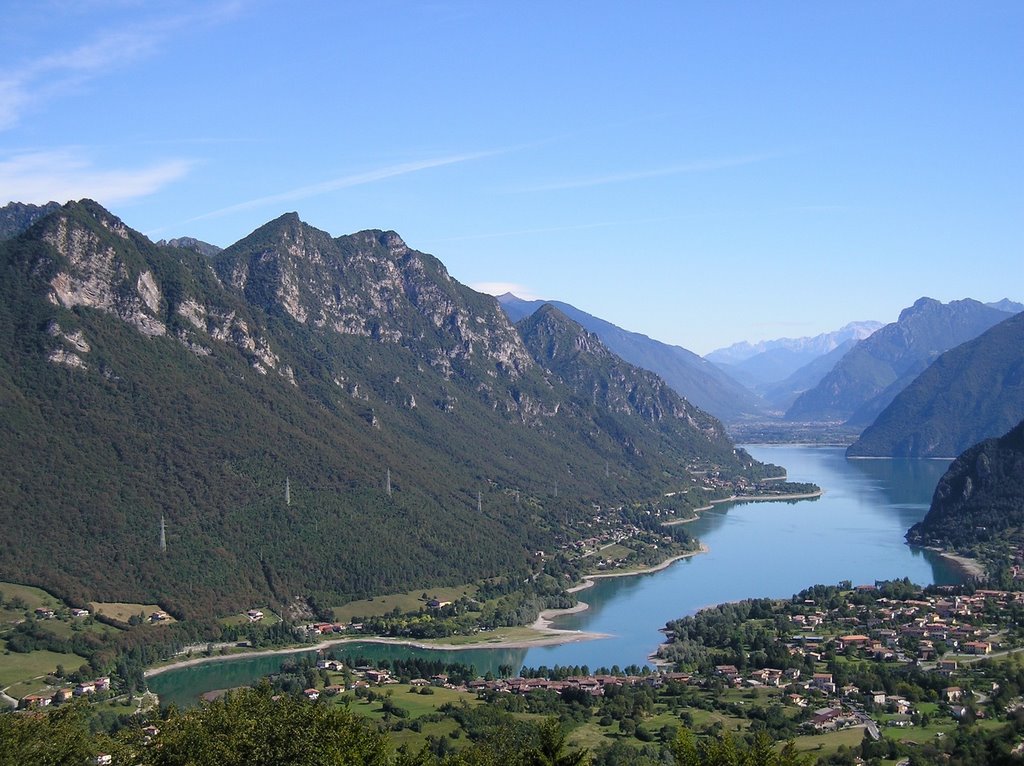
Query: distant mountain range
970, 393
699, 381
870, 375
759, 365
142, 383
781, 395
980, 498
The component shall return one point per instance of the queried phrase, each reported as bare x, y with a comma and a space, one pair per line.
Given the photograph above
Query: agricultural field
410, 601
269, 618
19, 669
32, 597
124, 612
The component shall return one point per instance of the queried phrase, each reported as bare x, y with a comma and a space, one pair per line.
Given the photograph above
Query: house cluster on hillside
594, 685
327, 628
48, 613
908, 630
66, 693
929, 631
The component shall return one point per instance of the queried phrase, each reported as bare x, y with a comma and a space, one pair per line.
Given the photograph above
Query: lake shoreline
744, 499
970, 567
550, 637
832, 534
546, 635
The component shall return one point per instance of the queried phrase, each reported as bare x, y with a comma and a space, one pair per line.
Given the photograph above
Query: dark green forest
328, 363
980, 498
972, 392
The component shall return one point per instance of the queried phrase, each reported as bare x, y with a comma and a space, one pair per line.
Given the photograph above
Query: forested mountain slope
980, 497
141, 382
972, 392
874, 371
697, 380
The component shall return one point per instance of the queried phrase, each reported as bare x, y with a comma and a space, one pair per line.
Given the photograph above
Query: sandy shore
545, 637
588, 579
687, 520
545, 634
544, 620
969, 566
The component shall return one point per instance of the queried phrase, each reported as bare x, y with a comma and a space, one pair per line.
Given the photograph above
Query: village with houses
882, 662
922, 649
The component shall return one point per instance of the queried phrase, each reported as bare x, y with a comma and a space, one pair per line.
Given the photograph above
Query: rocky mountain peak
372, 284
16, 217
395, 244
919, 307
193, 244
557, 337
97, 265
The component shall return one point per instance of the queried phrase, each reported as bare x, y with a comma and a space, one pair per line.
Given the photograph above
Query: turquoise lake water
853, 532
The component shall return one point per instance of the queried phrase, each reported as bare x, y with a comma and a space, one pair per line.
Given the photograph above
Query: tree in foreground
56, 738
250, 727
729, 751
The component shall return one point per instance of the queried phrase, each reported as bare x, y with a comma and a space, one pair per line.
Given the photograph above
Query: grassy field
410, 601
826, 744
590, 735
613, 552
498, 635
11, 616
269, 618
33, 597
408, 698
424, 704
15, 666
122, 611
67, 628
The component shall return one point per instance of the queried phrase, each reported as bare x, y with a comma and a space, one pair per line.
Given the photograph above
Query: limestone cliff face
96, 262
371, 284
281, 294
92, 273
599, 381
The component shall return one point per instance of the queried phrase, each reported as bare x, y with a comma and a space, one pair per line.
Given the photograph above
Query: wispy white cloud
696, 166
53, 74
67, 174
500, 288
344, 182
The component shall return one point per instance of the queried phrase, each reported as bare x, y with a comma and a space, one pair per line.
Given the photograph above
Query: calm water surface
854, 532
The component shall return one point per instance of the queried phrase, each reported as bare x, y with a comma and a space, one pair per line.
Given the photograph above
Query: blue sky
700, 172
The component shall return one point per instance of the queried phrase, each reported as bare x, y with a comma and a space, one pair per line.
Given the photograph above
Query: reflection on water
907, 485
183, 686
854, 532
